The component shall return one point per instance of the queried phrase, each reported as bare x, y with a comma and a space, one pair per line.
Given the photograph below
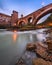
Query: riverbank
42, 56
23, 28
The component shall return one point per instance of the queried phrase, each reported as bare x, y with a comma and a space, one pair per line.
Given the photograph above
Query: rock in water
31, 47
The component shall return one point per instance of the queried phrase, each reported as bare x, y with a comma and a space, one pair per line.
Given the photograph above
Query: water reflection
14, 36
31, 37
13, 44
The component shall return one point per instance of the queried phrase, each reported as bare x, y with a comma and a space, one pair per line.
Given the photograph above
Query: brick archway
30, 19
45, 12
21, 22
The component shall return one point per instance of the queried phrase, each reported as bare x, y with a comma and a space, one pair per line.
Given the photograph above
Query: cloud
43, 3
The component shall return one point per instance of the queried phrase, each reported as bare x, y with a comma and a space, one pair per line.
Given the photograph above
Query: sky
24, 7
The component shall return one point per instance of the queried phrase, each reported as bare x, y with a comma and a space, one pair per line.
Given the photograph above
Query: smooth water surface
13, 44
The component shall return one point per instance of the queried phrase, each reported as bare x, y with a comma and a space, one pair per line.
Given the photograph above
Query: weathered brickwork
31, 18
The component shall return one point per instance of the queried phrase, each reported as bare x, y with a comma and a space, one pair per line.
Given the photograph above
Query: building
14, 18
4, 19
9, 20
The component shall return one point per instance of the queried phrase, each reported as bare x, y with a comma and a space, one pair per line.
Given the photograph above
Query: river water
13, 44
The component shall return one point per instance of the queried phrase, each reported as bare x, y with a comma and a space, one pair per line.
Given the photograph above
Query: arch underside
30, 20
43, 14
22, 23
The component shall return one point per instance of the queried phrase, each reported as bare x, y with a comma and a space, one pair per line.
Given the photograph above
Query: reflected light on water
15, 31
14, 36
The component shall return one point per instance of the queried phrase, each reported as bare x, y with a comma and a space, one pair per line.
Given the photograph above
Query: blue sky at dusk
22, 6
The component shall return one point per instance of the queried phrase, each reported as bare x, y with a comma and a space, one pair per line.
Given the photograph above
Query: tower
14, 18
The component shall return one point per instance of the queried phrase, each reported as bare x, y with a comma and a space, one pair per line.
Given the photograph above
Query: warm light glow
50, 24
14, 36
15, 31
14, 24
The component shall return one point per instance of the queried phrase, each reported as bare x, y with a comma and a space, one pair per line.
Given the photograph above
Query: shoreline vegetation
23, 28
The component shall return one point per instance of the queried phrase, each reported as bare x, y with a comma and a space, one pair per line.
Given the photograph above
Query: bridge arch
30, 19
45, 12
21, 23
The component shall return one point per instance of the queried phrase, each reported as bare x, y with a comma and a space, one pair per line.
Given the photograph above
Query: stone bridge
35, 16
